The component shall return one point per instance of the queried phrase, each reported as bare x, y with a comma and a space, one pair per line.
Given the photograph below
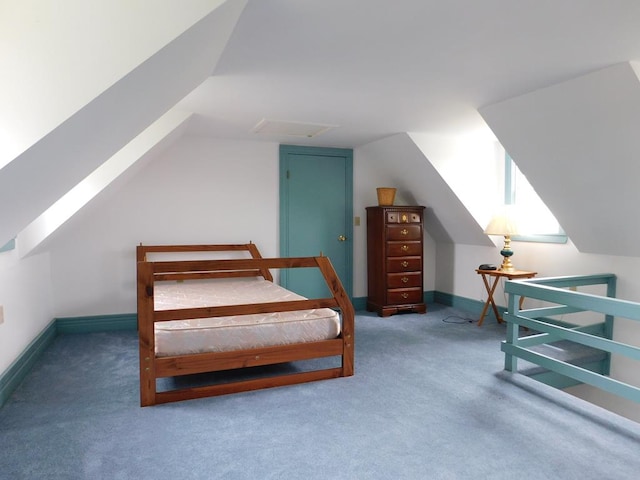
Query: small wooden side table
491, 285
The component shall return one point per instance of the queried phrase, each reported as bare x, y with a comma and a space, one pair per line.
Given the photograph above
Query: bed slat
247, 385
231, 310
217, 361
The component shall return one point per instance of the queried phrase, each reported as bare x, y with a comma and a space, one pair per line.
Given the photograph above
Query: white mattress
221, 334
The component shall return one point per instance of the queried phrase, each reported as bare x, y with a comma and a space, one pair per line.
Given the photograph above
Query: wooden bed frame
153, 367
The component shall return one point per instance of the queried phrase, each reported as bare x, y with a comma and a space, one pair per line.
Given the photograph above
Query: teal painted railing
558, 293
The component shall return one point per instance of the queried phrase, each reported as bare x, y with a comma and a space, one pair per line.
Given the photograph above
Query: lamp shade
504, 222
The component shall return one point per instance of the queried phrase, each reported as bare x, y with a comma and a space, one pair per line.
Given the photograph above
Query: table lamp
504, 223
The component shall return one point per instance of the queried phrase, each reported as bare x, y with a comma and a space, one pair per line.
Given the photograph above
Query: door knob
342, 238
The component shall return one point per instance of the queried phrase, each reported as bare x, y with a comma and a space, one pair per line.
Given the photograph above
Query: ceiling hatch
295, 129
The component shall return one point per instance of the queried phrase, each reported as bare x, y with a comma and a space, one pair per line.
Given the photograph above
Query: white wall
577, 143
479, 185
56, 163
373, 168
70, 48
26, 297
198, 191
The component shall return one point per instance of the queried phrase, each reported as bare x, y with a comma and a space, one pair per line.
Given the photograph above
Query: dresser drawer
404, 295
403, 232
408, 264
401, 249
403, 280
403, 217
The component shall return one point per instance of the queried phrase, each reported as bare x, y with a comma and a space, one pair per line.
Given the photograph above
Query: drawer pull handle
405, 279
405, 264
404, 231
405, 295
405, 248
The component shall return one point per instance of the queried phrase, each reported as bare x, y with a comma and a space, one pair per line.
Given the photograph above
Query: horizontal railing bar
551, 311
586, 376
576, 336
552, 321
574, 281
542, 338
585, 301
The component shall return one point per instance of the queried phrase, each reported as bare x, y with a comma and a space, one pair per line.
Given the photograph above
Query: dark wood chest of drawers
395, 259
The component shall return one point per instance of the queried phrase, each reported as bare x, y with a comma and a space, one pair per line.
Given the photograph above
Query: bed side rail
559, 293
151, 272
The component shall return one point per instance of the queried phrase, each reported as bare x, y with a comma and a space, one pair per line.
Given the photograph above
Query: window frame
509, 199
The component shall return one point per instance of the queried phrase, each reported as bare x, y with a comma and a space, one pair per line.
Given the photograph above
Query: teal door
316, 207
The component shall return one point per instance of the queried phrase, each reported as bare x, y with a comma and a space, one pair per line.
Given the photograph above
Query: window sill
550, 238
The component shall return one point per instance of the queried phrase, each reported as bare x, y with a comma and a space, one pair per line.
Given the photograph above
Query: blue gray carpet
429, 401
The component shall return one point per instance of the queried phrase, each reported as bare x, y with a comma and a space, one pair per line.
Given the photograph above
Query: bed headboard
193, 272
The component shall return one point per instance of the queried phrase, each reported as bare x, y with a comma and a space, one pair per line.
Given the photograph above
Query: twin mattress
220, 334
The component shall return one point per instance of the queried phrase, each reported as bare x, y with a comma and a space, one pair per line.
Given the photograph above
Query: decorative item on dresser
395, 259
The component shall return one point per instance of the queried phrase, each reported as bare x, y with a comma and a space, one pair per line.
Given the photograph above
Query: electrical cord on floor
458, 319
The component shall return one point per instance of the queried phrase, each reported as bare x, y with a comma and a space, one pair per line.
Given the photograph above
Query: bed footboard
153, 367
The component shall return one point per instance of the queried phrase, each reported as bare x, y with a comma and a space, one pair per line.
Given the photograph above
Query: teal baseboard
19, 369
98, 323
474, 307
14, 375
359, 303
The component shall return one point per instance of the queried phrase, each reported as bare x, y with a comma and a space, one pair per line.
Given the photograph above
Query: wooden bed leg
348, 314
146, 337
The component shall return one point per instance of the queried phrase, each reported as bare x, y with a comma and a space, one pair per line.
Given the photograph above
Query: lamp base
506, 266
506, 253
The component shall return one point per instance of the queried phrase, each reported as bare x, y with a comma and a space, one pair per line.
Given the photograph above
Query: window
537, 219
10, 245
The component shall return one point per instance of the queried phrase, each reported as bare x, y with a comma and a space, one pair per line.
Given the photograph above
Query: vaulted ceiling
366, 68
374, 68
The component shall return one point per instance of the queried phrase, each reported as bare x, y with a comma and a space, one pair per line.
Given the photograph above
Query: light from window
536, 219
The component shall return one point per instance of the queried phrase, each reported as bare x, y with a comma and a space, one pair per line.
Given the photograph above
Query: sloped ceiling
374, 68
42, 174
419, 183
56, 57
370, 68
578, 144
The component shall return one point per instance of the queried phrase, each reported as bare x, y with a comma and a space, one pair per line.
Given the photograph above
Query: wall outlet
1, 314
